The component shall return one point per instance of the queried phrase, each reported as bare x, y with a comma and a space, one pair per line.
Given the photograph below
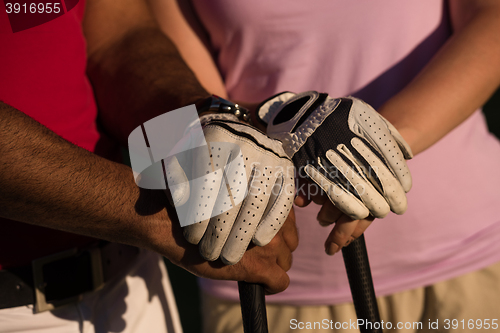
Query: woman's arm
180, 23
456, 82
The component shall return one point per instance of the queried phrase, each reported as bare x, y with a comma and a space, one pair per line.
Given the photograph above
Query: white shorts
140, 301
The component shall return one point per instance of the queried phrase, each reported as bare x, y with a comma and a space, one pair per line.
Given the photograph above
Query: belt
62, 278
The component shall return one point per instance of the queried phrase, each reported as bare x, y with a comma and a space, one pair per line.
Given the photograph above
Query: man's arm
47, 181
137, 74
136, 71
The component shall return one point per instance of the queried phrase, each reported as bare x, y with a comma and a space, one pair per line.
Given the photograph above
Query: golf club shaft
253, 307
360, 281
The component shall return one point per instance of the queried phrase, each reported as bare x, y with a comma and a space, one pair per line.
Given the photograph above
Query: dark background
186, 288
492, 112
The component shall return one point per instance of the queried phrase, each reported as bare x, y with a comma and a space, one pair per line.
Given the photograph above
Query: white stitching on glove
346, 147
237, 188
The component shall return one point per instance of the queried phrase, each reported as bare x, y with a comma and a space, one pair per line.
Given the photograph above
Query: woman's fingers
362, 226
307, 192
344, 232
328, 214
340, 234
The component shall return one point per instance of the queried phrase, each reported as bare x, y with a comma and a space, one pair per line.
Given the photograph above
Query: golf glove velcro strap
355, 155
236, 188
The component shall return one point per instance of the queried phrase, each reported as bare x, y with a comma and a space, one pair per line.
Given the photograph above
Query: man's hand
235, 188
50, 182
266, 265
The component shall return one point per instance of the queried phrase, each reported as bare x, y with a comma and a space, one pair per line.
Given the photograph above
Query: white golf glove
355, 155
236, 188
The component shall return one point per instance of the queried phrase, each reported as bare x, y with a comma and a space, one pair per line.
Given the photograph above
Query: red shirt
42, 73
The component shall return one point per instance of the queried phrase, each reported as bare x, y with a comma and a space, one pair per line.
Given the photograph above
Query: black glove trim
224, 125
316, 147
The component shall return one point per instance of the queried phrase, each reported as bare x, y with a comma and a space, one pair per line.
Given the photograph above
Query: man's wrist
216, 104
201, 101
256, 122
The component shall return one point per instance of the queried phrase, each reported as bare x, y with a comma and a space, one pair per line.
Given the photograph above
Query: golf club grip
360, 281
253, 307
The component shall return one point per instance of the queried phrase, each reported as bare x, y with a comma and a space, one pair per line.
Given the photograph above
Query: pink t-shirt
369, 49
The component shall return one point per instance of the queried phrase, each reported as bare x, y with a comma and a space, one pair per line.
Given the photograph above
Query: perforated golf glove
236, 188
355, 155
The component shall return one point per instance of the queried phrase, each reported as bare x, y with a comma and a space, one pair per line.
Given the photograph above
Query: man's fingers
289, 232
258, 265
269, 270
285, 260
287, 241
283, 244
278, 281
